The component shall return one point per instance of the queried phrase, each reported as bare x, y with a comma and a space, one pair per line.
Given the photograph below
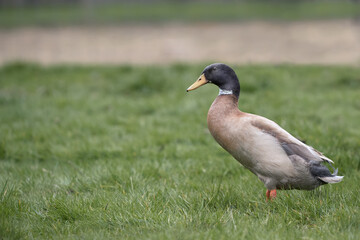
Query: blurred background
158, 32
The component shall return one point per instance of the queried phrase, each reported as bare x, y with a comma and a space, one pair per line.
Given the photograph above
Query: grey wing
299, 153
313, 159
306, 152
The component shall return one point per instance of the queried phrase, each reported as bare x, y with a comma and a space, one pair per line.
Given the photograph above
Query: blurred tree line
29, 3
21, 3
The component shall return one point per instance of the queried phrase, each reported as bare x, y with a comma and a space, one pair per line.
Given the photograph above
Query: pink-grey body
277, 158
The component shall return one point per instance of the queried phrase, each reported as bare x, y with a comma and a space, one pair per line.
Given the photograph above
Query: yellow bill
198, 83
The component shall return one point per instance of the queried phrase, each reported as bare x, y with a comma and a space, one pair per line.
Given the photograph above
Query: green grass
124, 153
188, 12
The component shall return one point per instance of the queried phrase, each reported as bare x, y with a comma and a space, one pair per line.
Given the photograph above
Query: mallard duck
277, 158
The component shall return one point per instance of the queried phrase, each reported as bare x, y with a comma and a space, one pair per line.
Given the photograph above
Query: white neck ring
225, 92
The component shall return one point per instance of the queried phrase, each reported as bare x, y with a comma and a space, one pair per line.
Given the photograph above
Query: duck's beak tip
201, 81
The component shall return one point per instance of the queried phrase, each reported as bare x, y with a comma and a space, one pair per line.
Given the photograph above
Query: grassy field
188, 11
123, 152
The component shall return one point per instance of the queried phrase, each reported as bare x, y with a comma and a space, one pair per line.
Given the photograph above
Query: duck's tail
333, 178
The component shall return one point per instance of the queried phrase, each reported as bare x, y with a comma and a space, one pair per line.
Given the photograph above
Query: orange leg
270, 194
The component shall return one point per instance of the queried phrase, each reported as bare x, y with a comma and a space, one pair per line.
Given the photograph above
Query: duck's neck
230, 88
224, 104
231, 96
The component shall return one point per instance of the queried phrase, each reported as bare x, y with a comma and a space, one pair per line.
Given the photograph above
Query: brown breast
222, 113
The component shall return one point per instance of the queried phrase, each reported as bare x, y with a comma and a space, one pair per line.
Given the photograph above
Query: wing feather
295, 148
290, 144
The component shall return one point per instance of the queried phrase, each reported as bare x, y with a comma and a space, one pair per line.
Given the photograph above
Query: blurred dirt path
321, 42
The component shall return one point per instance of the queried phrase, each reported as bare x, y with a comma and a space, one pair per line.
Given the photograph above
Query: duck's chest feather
253, 148
227, 125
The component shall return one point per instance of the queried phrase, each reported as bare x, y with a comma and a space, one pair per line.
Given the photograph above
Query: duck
279, 160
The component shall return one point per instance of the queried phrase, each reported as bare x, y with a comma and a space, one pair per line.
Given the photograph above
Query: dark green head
222, 76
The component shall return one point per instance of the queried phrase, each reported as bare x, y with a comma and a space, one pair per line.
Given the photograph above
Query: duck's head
222, 76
